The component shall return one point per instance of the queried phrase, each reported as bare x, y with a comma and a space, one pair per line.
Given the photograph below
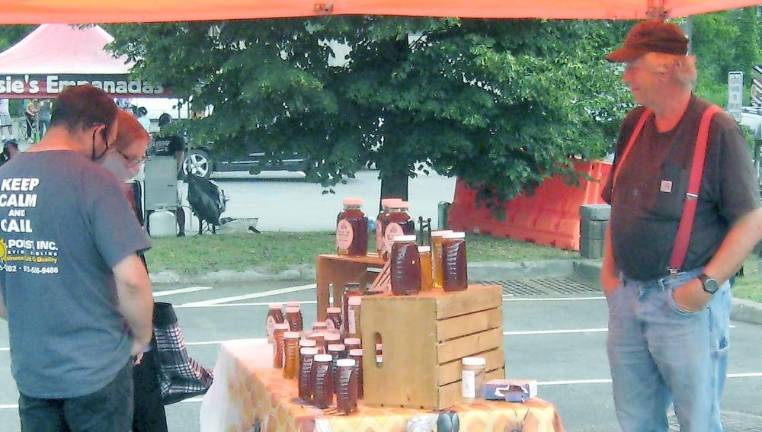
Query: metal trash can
592, 228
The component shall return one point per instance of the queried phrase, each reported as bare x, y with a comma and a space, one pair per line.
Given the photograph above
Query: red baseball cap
651, 36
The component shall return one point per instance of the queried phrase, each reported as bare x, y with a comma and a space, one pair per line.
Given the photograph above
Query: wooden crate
424, 339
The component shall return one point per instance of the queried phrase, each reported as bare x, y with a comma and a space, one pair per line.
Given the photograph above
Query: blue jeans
660, 354
106, 410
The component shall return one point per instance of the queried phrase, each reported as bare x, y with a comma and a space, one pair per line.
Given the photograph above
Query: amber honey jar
322, 381
405, 266
346, 386
454, 262
274, 316
352, 229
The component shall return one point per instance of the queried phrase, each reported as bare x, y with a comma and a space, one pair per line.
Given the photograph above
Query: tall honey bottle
454, 262
405, 266
398, 223
381, 222
352, 229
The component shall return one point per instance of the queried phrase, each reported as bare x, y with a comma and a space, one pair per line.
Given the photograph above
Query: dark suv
201, 161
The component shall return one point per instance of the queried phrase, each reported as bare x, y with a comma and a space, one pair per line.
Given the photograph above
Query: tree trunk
393, 185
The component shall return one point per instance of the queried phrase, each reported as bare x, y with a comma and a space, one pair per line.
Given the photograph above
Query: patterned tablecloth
248, 396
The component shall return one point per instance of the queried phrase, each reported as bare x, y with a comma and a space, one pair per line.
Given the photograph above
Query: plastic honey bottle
405, 266
352, 229
382, 220
398, 224
454, 262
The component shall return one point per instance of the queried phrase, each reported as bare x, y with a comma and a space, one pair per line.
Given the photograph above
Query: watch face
710, 285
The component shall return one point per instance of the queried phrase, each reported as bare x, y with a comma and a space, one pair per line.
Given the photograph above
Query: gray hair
682, 67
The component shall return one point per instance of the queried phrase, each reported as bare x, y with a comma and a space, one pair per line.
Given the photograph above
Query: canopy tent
99, 11
55, 55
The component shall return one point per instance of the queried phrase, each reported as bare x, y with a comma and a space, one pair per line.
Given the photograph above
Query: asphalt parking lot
555, 332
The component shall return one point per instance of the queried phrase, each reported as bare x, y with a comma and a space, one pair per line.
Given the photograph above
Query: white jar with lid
472, 378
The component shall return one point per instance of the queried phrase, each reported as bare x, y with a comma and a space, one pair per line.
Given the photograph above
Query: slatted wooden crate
424, 339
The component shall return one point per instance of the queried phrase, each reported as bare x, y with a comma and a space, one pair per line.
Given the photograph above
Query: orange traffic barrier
550, 216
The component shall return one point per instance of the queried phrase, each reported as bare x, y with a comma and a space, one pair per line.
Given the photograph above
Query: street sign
735, 94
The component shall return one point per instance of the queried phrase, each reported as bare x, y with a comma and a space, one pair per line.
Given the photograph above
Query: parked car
202, 161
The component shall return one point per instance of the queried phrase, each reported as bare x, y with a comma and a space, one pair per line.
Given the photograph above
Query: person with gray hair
685, 213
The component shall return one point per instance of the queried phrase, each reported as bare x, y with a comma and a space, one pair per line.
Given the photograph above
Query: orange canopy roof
110, 11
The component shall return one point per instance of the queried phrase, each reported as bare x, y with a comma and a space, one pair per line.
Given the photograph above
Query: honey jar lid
307, 343
275, 305
309, 351
292, 309
345, 363
357, 352
440, 233
292, 335
336, 347
351, 341
333, 310
295, 304
352, 201
331, 337
474, 361
323, 358
389, 202
455, 235
404, 238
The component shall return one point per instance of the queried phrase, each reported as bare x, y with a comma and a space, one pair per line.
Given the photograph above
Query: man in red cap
665, 270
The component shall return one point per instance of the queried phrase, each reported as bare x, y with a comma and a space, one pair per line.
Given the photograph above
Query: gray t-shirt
648, 200
64, 223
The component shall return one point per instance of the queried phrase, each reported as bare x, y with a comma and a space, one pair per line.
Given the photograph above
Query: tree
723, 42
10, 34
502, 104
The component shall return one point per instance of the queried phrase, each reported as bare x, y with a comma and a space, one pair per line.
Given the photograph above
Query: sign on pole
735, 94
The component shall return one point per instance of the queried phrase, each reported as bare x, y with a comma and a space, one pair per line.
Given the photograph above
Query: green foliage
10, 34
502, 104
723, 42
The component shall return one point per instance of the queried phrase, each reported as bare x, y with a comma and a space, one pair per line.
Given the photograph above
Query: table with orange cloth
248, 391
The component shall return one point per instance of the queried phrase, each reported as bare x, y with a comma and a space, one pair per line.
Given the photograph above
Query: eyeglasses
132, 161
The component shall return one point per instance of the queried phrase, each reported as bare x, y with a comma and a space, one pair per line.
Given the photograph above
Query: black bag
180, 377
206, 199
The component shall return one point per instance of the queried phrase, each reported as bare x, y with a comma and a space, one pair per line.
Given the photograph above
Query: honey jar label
344, 235
392, 230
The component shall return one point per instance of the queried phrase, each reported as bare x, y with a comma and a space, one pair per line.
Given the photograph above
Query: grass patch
749, 286
280, 251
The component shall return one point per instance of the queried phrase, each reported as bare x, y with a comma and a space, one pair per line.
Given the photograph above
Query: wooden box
424, 339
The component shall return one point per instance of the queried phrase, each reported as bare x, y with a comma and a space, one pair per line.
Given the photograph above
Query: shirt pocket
669, 194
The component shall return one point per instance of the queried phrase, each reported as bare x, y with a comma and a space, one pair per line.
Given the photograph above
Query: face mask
115, 163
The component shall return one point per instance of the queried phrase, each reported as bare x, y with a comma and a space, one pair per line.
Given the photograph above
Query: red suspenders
685, 226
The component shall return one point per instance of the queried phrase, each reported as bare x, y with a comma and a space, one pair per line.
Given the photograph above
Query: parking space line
264, 304
546, 332
180, 291
608, 381
268, 293
508, 298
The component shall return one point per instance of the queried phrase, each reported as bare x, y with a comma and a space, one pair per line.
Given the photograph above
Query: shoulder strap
680, 248
630, 144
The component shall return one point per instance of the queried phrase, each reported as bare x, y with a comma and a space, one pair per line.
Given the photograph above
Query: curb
584, 270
